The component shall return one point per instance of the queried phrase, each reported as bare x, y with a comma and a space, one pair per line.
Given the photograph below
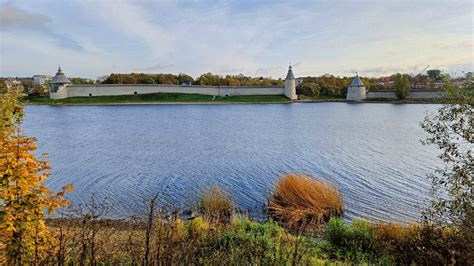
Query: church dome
60, 78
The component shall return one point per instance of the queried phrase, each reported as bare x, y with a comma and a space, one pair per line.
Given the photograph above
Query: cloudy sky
94, 38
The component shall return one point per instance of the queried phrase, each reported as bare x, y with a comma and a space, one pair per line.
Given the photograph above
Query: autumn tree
24, 198
310, 89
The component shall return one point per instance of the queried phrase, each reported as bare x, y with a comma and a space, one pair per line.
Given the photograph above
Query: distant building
438, 85
186, 83
386, 81
12, 83
299, 81
41, 80
299, 85
356, 91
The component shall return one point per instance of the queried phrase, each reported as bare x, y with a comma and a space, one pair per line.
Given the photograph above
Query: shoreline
234, 103
197, 99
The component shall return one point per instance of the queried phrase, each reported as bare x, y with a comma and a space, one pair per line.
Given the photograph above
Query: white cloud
256, 38
12, 17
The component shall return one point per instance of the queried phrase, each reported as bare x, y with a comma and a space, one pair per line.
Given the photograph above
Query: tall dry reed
299, 201
216, 205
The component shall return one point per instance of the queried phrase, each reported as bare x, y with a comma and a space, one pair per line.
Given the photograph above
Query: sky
258, 38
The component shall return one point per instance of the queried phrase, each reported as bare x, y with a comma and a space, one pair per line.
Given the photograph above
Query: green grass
304, 98
160, 98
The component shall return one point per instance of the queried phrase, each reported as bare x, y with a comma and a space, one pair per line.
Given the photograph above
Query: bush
331, 91
412, 244
248, 242
310, 89
300, 202
401, 85
431, 245
349, 241
216, 205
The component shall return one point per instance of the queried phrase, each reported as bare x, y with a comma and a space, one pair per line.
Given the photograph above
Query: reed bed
216, 205
300, 201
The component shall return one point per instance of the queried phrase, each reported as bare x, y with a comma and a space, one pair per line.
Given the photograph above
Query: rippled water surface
371, 151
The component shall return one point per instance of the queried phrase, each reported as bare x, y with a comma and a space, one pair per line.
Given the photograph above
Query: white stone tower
356, 91
290, 85
58, 85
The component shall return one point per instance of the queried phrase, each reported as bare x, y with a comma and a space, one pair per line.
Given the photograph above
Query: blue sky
374, 38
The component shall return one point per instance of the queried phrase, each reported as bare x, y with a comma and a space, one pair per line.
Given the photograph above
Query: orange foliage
302, 201
24, 196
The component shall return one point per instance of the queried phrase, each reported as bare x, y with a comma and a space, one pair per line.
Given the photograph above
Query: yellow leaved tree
24, 198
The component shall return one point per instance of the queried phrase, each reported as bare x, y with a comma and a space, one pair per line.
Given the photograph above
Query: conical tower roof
290, 73
60, 78
357, 82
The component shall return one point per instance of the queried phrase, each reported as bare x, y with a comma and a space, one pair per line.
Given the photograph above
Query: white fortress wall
381, 95
60, 94
411, 95
427, 94
116, 89
229, 91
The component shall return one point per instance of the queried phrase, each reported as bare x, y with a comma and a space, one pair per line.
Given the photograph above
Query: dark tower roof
60, 78
357, 82
290, 73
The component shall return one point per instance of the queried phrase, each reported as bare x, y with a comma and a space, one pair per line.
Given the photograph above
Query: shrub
248, 242
401, 85
300, 201
310, 89
431, 245
349, 241
412, 244
331, 91
216, 205
198, 226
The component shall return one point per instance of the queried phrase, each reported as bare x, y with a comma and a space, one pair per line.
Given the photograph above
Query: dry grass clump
300, 201
216, 205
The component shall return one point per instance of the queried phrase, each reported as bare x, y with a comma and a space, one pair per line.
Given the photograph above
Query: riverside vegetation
304, 224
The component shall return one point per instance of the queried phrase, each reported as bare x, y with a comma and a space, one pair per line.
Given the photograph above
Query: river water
372, 152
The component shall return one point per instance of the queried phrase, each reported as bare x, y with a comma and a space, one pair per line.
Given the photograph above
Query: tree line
204, 79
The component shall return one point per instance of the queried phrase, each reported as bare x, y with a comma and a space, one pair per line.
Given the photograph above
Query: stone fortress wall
412, 95
116, 89
62, 88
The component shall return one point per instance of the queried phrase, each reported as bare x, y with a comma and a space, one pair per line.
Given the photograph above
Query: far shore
182, 99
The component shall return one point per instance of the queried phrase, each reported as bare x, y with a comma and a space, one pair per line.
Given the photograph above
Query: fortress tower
58, 85
290, 85
356, 91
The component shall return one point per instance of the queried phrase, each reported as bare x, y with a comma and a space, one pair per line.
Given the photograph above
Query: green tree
452, 131
310, 89
401, 85
184, 78
434, 74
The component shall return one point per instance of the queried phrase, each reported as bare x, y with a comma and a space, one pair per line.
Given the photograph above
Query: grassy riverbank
156, 98
184, 98
304, 228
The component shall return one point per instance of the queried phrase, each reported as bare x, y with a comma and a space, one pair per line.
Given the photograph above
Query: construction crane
420, 75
